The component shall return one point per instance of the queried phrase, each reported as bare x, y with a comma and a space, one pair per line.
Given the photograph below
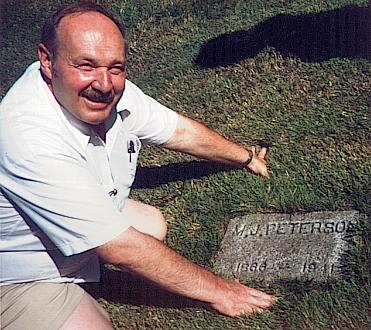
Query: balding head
89, 35
50, 29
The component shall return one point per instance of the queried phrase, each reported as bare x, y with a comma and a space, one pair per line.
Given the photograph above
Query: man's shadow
152, 177
343, 32
124, 288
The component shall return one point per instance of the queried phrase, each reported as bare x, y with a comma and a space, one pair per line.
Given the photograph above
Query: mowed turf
292, 74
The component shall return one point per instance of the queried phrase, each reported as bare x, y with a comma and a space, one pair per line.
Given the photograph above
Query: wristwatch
248, 161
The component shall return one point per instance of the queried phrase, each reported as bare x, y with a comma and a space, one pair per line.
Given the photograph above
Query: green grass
314, 114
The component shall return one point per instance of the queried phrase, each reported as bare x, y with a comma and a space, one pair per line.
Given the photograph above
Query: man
70, 131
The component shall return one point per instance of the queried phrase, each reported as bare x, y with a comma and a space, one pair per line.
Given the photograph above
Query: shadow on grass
124, 288
152, 177
343, 32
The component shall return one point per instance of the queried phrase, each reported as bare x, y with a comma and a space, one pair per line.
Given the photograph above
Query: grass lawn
294, 74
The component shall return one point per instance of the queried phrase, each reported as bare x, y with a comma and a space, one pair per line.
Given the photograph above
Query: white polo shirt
56, 202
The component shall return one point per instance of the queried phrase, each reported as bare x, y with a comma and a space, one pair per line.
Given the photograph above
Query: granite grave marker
308, 246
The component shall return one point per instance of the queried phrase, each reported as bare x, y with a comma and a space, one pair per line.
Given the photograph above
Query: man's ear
45, 59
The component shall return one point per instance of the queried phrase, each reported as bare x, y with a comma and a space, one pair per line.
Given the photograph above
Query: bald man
71, 128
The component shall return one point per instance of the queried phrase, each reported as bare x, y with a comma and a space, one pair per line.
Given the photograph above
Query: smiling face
87, 75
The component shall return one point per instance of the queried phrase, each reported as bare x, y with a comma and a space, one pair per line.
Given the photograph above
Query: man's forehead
89, 31
87, 21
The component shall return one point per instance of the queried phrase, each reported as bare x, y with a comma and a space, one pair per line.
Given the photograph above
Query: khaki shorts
37, 305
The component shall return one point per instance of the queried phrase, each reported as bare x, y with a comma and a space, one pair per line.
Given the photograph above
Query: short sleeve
148, 119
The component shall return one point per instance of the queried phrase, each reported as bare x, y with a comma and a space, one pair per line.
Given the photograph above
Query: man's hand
258, 164
235, 299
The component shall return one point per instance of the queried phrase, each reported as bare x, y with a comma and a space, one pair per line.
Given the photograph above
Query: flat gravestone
270, 247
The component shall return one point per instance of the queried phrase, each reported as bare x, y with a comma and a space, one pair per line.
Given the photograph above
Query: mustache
97, 96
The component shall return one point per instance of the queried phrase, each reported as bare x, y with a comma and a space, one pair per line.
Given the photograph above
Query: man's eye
85, 67
116, 70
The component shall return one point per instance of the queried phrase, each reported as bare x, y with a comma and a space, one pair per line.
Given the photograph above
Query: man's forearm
149, 258
194, 138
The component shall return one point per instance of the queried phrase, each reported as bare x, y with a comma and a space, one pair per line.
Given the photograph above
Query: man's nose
102, 80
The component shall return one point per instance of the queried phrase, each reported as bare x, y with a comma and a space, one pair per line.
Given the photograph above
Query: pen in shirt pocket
113, 192
131, 149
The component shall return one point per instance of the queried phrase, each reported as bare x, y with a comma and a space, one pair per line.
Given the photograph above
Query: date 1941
312, 267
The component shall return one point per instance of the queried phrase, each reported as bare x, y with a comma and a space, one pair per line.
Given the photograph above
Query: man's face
88, 73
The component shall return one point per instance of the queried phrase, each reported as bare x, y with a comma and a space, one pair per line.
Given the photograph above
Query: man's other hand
259, 163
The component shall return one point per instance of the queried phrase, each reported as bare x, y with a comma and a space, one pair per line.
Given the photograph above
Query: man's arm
194, 138
153, 260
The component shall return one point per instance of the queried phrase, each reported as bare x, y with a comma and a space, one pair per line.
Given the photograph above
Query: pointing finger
263, 153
